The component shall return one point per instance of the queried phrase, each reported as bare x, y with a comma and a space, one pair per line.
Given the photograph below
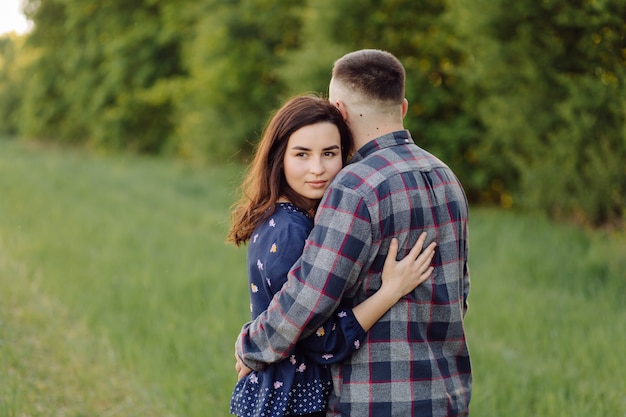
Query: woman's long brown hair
265, 181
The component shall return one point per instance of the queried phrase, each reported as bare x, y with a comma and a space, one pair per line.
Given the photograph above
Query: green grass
118, 296
547, 321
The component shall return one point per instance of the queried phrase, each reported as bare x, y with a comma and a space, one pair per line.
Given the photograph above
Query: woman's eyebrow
302, 148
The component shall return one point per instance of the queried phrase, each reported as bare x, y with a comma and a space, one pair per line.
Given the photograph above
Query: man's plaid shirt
414, 361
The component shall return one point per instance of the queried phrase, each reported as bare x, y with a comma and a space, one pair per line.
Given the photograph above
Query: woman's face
312, 159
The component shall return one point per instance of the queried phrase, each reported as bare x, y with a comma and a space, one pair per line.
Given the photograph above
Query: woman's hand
401, 277
241, 368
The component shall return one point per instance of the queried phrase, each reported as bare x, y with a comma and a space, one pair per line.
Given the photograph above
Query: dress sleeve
285, 249
335, 340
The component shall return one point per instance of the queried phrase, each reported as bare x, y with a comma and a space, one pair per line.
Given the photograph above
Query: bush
554, 110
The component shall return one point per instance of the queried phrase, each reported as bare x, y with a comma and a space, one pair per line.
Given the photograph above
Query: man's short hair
373, 73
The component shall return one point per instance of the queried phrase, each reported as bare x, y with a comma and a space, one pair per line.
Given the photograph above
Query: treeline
525, 100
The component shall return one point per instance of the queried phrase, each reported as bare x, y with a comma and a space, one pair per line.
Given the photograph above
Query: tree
14, 61
554, 106
98, 75
234, 62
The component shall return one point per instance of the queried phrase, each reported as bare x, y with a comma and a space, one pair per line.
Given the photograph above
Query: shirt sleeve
335, 340
333, 258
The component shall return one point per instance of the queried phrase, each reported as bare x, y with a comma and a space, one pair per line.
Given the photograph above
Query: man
415, 360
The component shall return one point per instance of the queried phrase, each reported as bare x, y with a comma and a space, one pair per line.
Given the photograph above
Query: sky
11, 17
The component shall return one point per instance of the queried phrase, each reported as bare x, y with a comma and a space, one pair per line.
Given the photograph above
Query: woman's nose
317, 166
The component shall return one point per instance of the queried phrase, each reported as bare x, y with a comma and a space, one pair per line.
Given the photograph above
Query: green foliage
553, 85
234, 59
120, 297
525, 100
308, 68
13, 79
98, 72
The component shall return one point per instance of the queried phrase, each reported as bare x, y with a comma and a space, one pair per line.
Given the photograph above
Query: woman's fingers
241, 368
417, 260
417, 248
237, 363
426, 257
390, 261
427, 254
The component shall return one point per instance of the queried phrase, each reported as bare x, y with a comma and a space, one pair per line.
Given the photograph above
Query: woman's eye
330, 154
301, 155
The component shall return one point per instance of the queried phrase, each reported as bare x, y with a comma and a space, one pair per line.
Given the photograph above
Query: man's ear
341, 106
405, 107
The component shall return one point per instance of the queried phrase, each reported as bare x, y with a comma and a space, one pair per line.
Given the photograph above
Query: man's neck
363, 134
368, 122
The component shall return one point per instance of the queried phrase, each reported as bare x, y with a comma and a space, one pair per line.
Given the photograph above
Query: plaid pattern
414, 361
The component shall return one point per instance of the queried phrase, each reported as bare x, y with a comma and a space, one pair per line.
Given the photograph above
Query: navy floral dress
301, 383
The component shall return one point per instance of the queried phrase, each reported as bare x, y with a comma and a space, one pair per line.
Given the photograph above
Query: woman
304, 146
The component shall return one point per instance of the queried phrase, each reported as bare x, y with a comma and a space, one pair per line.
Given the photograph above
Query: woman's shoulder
287, 221
291, 210
287, 215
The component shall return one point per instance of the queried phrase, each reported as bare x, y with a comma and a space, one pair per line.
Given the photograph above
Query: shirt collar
400, 137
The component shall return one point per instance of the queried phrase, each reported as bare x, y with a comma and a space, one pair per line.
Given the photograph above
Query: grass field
118, 296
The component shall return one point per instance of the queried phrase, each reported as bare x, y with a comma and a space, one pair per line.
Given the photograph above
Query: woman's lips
317, 184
